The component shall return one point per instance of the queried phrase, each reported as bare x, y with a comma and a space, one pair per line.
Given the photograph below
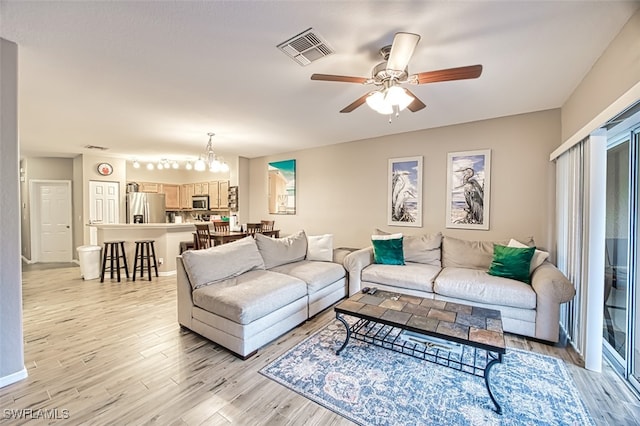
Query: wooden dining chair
203, 236
267, 225
254, 228
220, 226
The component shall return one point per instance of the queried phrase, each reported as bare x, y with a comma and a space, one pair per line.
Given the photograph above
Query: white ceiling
149, 79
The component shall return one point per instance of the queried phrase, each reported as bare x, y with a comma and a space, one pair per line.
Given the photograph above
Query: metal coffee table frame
385, 334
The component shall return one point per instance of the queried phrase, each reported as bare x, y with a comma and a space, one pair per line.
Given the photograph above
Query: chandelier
211, 160
390, 99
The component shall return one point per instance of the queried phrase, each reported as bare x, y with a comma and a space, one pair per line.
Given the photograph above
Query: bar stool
141, 247
113, 252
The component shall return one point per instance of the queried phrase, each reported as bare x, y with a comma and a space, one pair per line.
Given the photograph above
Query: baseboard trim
15, 377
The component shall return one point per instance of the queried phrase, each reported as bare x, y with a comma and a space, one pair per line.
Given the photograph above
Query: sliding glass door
621, 330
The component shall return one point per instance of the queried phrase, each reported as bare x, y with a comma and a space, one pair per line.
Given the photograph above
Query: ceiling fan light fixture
396, 95
376, 102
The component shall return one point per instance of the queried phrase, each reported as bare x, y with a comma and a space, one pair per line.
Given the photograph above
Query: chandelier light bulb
200, 165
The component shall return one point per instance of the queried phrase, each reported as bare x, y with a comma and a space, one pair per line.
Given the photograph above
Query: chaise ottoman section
250, 296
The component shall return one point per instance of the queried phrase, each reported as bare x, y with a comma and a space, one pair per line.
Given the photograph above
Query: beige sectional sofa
245, 294
455, 270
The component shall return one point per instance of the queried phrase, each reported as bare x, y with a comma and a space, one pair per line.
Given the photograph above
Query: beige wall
613, 74
342, 189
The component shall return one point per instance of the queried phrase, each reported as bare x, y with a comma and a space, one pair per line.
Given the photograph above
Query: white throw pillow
320, 247
538, 257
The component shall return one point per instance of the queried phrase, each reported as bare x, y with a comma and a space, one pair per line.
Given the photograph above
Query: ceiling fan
389, 97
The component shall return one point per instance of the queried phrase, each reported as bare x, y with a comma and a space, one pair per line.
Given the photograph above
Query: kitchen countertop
167, 226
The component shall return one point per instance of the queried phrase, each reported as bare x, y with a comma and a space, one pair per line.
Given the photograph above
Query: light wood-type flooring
113, 353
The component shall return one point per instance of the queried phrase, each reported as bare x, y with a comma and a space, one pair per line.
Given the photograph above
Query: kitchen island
167, 238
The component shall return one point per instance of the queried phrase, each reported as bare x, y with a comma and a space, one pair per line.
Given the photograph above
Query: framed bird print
468, 189
404, 205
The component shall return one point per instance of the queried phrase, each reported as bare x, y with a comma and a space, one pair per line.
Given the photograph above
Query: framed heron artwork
404, 205
468, 189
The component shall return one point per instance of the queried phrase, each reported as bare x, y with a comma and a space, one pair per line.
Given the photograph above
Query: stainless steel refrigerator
143, 207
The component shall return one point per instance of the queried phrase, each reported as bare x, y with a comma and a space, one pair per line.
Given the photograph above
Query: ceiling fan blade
339, 78
417, 104
402, 50
355, 104
460, 73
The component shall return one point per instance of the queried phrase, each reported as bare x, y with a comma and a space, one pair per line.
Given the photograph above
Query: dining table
224, 237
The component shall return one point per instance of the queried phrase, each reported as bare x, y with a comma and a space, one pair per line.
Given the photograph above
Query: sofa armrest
185, 301
549, 282
552, 289
354, 263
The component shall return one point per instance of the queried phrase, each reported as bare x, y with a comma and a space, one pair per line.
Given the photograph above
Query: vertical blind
580, 211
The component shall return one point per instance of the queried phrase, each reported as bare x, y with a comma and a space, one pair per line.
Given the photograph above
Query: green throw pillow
512, 262
387, 249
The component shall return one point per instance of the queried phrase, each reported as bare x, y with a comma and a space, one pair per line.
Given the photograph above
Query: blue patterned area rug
374, 386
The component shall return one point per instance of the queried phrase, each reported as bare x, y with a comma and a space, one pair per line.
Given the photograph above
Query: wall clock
105, 169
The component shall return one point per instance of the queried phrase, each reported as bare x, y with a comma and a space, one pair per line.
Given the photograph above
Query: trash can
89, 257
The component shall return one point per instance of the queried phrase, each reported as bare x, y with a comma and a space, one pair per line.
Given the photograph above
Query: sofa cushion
478, 286
387, 249
420, 248
423, 248
317, 275
467, 254
250, 296
209, 266
512, 262
415, 276
279, 251
320, 247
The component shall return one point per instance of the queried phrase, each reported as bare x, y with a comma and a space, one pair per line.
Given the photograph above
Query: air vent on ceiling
101, 148
306, 47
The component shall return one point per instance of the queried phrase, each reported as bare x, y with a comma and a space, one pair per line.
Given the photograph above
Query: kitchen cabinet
186, 192
149, 187
219, 195
223, 194
201, 188
214, 192
171, 196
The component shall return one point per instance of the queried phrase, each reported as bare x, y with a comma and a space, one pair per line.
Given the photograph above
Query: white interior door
104, 202
104, 205
51, 219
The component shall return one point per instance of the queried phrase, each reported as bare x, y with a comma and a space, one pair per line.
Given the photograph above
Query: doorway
51, 235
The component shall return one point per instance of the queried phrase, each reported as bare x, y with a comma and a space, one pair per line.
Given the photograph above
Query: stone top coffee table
466, 338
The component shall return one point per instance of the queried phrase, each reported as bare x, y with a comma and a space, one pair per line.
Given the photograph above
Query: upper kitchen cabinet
219, 195
186, 192
172, 195
201, 188
149, 187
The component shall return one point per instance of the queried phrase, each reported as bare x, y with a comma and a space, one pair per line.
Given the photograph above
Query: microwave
200, 202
